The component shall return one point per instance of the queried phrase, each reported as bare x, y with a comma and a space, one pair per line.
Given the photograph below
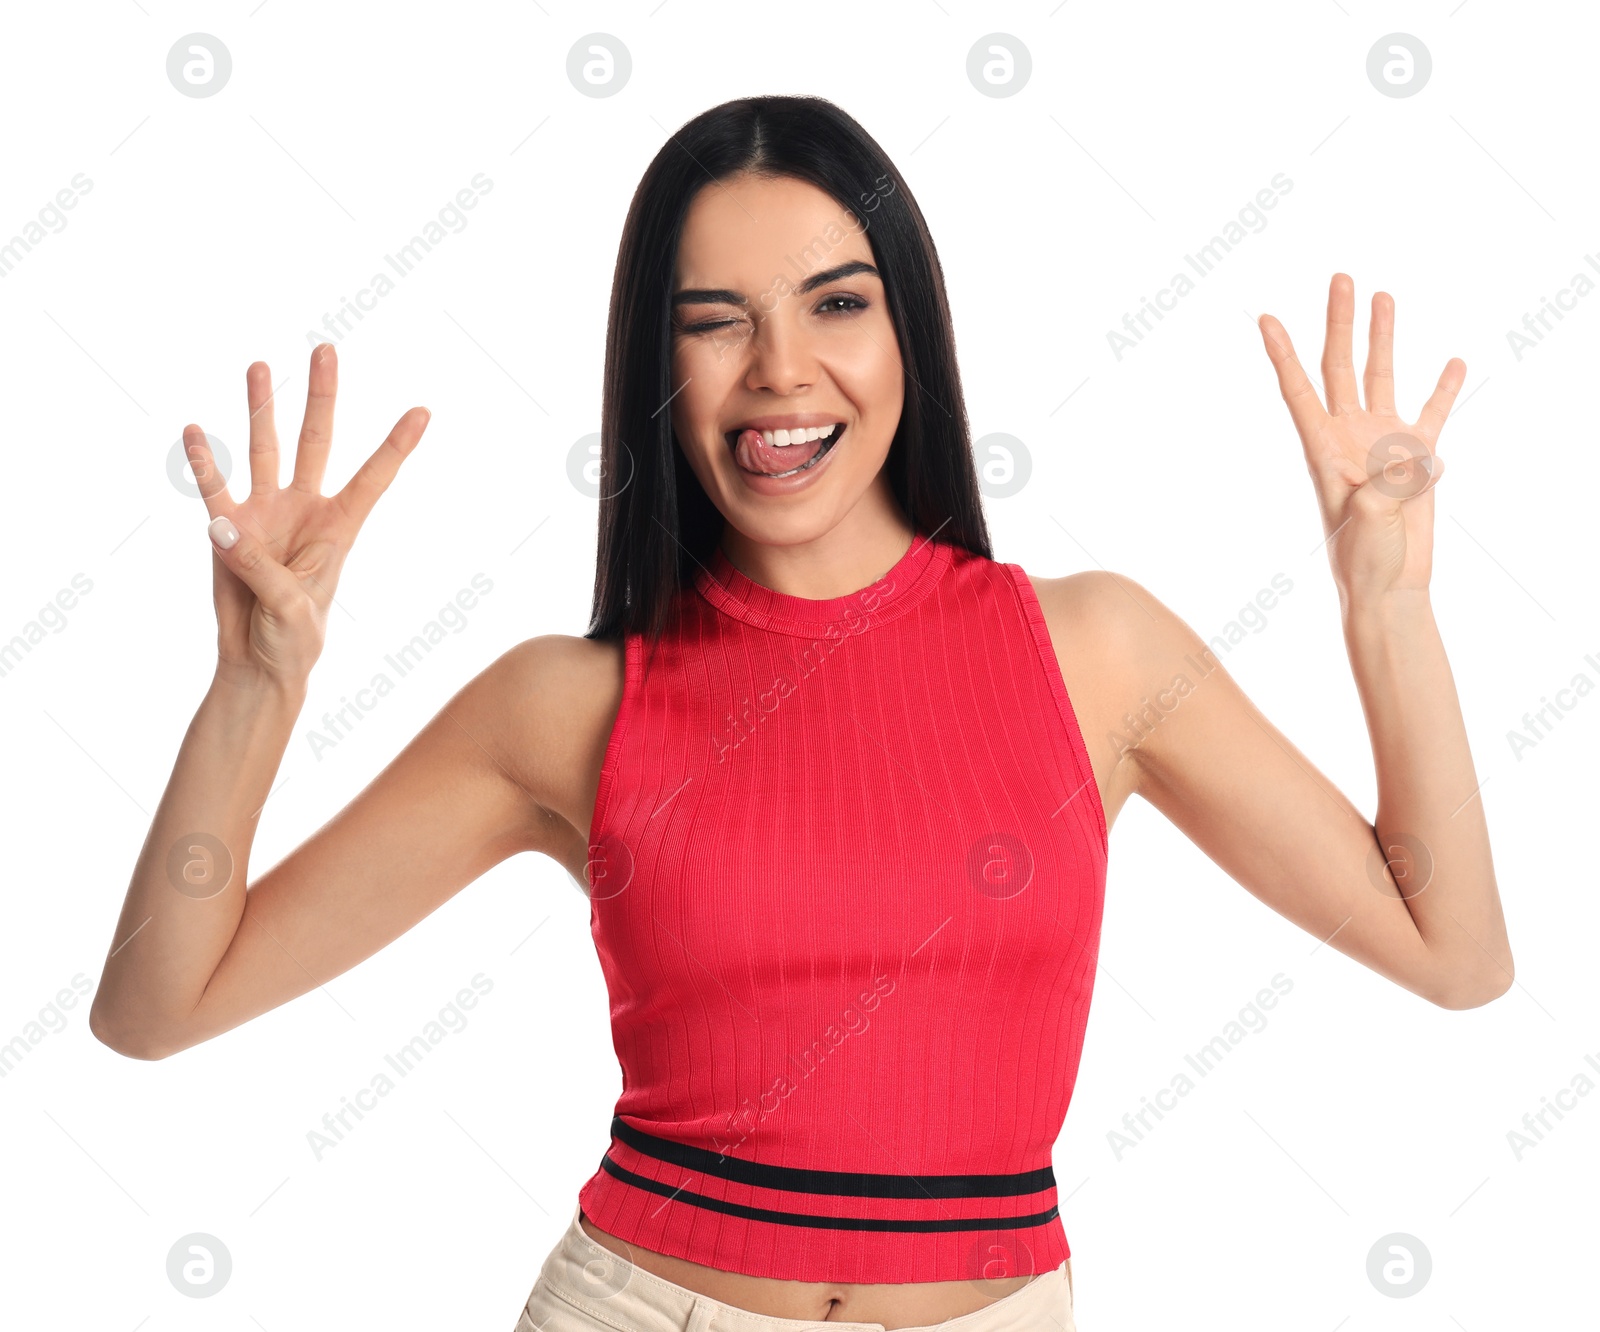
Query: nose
782, 359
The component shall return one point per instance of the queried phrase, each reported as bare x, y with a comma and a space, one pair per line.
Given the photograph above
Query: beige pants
584, 1287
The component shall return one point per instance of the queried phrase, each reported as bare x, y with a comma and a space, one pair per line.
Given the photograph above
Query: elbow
130, 1044
1460, 992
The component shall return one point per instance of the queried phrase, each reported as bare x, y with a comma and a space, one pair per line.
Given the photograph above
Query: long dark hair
656, 522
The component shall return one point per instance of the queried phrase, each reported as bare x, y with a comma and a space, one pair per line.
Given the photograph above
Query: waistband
822, 1225
620, 1294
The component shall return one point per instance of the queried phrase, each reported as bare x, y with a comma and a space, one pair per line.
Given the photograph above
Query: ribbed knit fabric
848, 865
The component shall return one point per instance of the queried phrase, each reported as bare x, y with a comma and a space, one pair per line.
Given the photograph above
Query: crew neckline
902, 587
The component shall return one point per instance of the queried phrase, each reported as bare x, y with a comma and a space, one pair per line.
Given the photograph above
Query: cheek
684, 366
694, 389
704, 370
889, 384
693, 425
872, 376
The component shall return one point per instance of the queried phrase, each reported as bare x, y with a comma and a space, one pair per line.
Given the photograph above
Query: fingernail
1426, 464
222, 531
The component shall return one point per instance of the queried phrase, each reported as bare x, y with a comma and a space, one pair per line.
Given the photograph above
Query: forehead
748, 229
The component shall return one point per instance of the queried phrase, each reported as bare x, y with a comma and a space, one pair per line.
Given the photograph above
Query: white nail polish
222, 531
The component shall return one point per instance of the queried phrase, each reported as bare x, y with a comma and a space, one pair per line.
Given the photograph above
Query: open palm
274, 582
1374, 474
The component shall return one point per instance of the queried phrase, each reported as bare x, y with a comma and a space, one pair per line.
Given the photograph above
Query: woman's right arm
508, 764
196, 954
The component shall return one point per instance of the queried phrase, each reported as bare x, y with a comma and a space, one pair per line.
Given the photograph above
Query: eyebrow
725, 296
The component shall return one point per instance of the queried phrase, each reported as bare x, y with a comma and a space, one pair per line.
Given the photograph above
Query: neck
851, 555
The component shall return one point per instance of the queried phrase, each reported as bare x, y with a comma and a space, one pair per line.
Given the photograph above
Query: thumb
245, 556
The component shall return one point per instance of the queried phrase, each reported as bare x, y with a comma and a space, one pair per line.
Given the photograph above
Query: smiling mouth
758, 453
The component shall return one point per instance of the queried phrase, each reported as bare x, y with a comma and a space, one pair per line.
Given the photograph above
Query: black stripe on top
941, 1224
840, 1183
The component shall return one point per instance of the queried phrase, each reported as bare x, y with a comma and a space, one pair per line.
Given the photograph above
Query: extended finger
1437, 408
208, 476
316, 429
1378, 381
373, 477
1338, 366
263, 430
1298, 393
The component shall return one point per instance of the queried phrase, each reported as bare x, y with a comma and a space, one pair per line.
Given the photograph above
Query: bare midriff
895, 1305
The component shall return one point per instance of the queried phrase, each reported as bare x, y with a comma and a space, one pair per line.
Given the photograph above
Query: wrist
252, 681
1384, 612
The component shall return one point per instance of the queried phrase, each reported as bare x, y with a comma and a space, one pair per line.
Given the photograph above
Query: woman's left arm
1412, 894
1375, 477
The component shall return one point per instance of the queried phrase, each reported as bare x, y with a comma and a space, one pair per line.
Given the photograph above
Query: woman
833, 777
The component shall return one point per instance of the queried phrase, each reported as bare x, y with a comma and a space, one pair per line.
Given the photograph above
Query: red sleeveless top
847, 869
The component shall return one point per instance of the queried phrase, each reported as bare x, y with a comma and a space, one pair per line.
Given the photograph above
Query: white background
219, 230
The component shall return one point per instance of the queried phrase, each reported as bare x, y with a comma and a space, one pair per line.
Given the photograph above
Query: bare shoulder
550, 703
562, 671
1091, 598
1105, 618
1113, 640
1108, 614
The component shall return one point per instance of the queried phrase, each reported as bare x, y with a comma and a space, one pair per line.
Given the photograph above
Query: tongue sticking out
754, 455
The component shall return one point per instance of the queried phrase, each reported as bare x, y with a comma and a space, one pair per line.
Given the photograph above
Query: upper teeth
781, 439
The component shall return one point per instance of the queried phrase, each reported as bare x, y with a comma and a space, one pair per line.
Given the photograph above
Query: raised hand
278, 553
1374, 474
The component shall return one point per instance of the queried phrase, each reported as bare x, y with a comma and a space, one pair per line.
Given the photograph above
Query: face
785, 365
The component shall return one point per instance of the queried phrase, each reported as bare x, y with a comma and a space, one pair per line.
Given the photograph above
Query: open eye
851, 304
